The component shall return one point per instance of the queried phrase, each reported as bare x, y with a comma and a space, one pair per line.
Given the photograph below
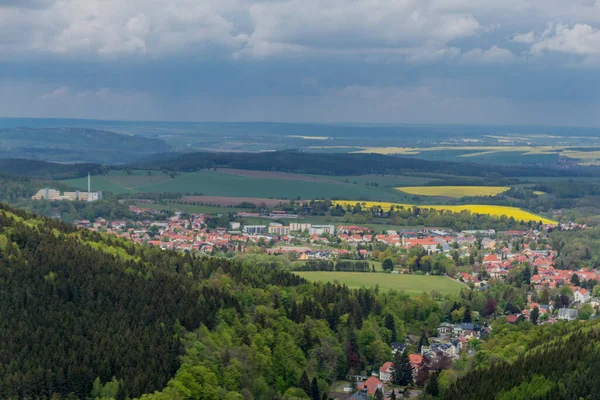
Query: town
478, 259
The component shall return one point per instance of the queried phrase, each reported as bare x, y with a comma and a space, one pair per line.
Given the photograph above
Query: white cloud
581, 39
494, 55
526, 38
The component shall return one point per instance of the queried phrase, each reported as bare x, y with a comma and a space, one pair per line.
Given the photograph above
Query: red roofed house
416, 360
582, 295
386, 371
511, 319
491, 259
371, 385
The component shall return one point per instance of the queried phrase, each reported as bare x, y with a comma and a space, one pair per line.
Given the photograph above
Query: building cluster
451, 341
53, 194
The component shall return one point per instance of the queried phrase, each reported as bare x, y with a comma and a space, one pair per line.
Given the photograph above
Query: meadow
514, 212
411, 284
264, 185
454, 191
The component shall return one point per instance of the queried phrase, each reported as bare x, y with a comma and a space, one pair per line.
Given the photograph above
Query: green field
410, 284
217, 183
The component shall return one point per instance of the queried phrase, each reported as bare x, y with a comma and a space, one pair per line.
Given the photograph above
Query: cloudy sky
427, 61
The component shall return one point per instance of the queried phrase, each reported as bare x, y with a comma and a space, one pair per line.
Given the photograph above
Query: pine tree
378, 394
535, 314
393, 395
314, 388
402, 369
432, 387
467, 317
423, 341
390, 324
304, 383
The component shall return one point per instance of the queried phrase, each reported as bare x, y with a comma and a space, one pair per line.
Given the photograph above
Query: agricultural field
454, 191
236, 183
411, 284
507, 154
517, 213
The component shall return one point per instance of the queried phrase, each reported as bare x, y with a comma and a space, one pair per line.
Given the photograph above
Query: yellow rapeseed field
516, 213
454, 191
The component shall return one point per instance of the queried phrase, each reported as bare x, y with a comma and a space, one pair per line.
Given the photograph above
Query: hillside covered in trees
100, 317
342, 164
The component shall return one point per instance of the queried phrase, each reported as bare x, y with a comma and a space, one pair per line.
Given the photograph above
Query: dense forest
100, 317
47, 170
534, 362
344, 164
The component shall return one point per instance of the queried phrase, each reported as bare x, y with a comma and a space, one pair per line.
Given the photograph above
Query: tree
388, 264
378, 394
423, 341
526, 275
314, 389
304, 383
393, 395
575, 280
467, 318
535, 314
402, 369
432, 387
490, 307
390, 324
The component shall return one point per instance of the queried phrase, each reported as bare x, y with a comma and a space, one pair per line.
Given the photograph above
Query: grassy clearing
454, 191
410, 284
514, 212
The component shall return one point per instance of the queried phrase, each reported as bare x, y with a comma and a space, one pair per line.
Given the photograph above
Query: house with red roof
582, 295
386, 371
416, 360
371, 385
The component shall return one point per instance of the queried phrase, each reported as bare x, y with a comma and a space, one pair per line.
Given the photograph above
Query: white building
582, 295
321, 229
255, 229
299, 227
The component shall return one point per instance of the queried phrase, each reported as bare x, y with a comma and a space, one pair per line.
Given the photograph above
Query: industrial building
53, 194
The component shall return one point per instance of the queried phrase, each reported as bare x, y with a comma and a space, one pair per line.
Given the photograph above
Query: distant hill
342, 164
76, 145
47, 170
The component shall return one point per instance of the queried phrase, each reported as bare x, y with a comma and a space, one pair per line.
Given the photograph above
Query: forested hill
90, 316
342, 164
560, 362
76, 145
47, 170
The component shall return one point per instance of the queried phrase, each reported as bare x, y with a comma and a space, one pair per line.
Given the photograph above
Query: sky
389, 61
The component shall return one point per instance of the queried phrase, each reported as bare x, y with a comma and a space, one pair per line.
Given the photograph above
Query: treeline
342, 265
423, 216
48, 170
343, 164
560, 367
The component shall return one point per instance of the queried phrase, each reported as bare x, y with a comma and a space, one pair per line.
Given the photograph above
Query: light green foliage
534, 389
107, 391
